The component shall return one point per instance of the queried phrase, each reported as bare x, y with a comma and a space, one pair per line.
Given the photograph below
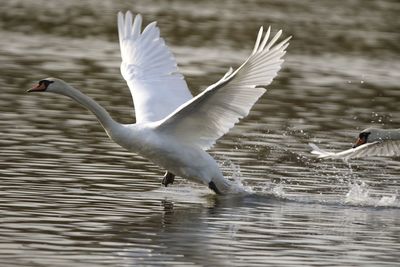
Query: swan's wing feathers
320, 152
145, 51
384, 148
387, 148
208, 116
150, 70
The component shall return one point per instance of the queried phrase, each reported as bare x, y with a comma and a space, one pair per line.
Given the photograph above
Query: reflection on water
71, 197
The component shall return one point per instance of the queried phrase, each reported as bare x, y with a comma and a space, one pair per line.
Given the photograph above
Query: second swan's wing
387, 148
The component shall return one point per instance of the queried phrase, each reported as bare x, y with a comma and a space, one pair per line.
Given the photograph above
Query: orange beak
40, 87
360, 141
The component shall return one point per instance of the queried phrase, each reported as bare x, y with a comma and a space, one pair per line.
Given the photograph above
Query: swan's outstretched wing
150, 70
208, 116
385, 148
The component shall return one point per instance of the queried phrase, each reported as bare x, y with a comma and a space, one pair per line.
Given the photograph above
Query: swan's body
370, 142
172, 128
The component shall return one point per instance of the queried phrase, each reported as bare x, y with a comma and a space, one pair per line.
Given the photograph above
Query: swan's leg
168, 179
213, 187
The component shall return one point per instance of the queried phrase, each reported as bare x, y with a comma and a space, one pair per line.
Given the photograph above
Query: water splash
278, 191
233, 173
357, 194
360, 194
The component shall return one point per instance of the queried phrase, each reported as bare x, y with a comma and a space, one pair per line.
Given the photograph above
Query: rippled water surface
71, 197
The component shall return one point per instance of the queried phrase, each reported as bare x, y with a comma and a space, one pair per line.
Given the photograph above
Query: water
71, 197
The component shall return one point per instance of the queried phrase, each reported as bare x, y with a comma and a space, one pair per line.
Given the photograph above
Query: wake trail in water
358, 193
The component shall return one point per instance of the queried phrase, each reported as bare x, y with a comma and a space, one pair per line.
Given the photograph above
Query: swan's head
52, 85
370, 135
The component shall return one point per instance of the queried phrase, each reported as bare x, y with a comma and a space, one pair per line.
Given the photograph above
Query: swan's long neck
393, 134
102, 115
383, 134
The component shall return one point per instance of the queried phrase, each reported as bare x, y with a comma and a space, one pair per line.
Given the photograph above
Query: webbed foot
168, 178
213, 187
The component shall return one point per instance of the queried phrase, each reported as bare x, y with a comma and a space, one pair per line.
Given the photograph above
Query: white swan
370, 142
172, 128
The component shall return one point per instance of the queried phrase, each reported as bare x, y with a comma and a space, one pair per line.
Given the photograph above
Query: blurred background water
71, 197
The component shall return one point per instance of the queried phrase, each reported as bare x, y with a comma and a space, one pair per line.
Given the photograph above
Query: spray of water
360, 194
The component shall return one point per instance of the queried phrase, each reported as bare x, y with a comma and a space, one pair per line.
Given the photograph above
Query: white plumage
172, 128
213, 112
150, 70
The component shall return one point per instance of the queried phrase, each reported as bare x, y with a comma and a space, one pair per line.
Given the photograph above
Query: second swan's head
370, 135
52, 85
